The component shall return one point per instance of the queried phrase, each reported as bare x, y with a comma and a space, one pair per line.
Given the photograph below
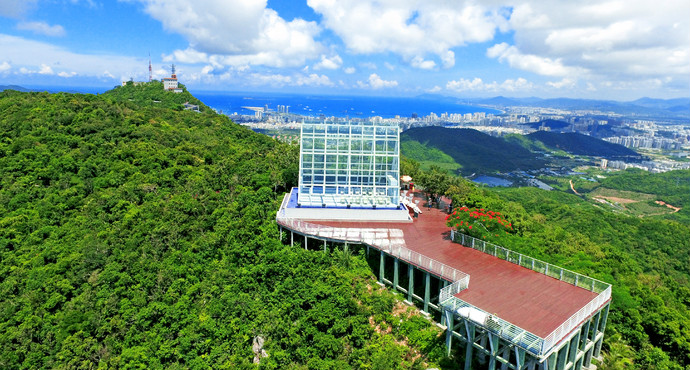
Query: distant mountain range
647, 106
642, 106
477, 152
14, 87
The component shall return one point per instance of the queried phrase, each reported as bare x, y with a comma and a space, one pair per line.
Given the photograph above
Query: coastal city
664, 142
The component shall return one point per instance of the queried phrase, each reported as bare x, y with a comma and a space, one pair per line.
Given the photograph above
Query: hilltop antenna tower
173, 71
150, 70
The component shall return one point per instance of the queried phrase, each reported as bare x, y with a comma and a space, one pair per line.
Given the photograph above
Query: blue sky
610, 49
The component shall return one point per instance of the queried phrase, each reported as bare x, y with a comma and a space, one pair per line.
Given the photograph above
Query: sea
231, 103
335, 106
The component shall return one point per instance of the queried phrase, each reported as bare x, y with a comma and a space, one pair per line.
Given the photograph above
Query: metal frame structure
349, 165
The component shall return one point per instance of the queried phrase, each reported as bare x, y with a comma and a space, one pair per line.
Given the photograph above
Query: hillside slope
473, 150
137, 236
579, 144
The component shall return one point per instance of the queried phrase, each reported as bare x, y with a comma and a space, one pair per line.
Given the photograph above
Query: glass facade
349, 165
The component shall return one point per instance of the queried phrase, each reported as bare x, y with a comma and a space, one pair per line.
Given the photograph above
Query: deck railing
388, 240
602, 289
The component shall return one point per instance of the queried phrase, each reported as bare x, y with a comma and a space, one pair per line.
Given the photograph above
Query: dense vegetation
646, 260
472, 150
137, 236
152, 94
580, 144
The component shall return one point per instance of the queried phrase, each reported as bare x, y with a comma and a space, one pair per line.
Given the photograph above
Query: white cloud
419, 62
368, 65
32, 57
333, 62
45, 70
409, 28
281, 80
15, 8
67, 74
628, 43
42, 28
4, 67
533, 63
240, 32
350, 70
564, 83
476, 84
389, 66
375, 82
434, 89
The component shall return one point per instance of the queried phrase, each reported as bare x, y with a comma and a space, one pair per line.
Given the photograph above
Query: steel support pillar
427, 291
396, 267
519, 358
382, 266
551, 362
324, 245
410, 283
493, 348
449, 329
292, 238
574, 347
469, 328
306, 242
563, 356
602, 328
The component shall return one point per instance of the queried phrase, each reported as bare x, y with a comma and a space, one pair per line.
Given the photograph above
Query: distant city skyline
614, 50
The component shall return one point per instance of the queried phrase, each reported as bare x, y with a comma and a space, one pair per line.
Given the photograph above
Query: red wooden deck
528, 299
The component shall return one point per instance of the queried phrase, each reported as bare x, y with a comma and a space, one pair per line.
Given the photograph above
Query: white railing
509, 332
454, 288
575, 320
388, 240
602, 289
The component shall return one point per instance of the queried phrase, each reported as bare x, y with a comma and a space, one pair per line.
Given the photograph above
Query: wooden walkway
528, 299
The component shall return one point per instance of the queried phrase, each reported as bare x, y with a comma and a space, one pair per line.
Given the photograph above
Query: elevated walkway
514, 302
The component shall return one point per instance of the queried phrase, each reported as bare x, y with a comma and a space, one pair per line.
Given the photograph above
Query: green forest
137, 235
646, 259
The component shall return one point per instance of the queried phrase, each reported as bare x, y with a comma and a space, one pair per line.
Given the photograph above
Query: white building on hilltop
170, 83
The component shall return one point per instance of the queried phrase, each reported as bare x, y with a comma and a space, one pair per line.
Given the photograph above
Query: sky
603, 49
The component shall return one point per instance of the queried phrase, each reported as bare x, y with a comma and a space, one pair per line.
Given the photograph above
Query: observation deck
528, 303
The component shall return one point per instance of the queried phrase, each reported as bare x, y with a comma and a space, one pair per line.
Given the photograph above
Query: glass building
349, 165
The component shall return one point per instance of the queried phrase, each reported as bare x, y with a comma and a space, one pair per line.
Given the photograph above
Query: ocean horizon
312, 105
231, 103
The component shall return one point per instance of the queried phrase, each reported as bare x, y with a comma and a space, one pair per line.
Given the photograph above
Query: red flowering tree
479, 222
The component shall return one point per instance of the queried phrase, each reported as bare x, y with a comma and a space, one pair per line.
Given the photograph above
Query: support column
602, 328
324, 246
574, 347
505, 355
551, 362
306, 242
281, 233
519, 358
427, 291
410, 283
382, 267
367, 251
396, 267
292, 238
563, 356
493, 348
449, 329
469, 328
584, 337
346, 247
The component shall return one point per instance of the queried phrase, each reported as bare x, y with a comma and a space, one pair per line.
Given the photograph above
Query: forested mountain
137, 236
580, 144
474, 151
